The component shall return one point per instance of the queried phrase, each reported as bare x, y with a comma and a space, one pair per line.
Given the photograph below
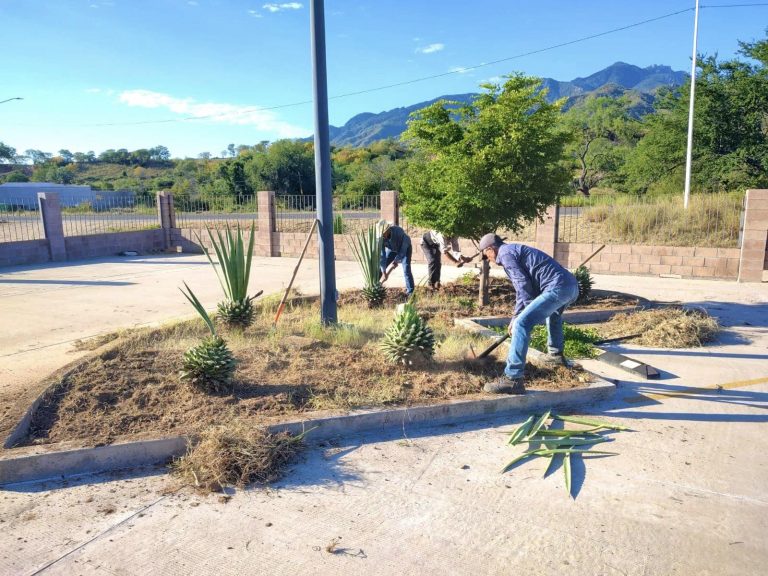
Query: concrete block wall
652, 260
754, 244
24, 252
747, 264
96, 245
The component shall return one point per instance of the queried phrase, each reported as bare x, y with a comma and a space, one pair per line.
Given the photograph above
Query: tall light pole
9, 99
323, 166
689, 151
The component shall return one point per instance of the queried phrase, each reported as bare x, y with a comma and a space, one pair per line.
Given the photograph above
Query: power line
432, 76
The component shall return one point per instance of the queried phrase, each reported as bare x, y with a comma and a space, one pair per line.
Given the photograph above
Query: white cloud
286, 6
214, 112
430, 49
254, 14
459, 70
192, 3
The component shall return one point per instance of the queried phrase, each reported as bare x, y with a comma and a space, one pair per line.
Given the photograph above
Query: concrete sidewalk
687, 494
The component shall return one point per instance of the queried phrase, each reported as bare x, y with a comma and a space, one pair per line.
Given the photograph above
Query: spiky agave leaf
408, 338
589, 422
234, 270
209, 365
366, 248
189, 295
236, 313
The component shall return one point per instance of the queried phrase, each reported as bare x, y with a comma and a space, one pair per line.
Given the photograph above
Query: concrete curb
24, 466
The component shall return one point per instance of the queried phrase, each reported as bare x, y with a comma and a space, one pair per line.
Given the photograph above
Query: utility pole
689, 151
323, 166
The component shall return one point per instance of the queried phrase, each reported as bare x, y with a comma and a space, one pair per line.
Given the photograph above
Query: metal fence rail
20, 220
202, 213
110, 215
711, 220
296, 213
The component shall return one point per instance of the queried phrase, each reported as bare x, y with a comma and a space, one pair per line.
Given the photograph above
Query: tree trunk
485, 269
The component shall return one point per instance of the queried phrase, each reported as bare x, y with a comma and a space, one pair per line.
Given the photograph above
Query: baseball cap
489, 240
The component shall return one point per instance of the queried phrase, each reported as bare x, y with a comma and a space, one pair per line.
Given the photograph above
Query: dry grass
711, 220
131, 386
236, 454
670, 327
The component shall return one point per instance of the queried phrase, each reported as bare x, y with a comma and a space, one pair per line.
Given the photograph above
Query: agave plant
233, 273
409, 338
585, 281
366, 247
209, 365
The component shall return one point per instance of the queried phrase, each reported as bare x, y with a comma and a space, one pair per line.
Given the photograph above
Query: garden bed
130, 387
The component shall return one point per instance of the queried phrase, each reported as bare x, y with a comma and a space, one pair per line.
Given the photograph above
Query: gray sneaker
505, 385
552, 360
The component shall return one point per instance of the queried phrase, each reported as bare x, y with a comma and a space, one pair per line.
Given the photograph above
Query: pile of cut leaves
559, 444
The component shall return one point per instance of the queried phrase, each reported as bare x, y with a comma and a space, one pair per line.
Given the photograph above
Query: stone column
166, 215
267, 227
390, 206
754, 240
546, 232
53, 227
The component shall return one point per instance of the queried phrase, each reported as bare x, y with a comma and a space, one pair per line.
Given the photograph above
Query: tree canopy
492, 164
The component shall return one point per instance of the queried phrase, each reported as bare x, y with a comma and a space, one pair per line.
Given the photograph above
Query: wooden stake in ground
595, 253
295, 271
485, 272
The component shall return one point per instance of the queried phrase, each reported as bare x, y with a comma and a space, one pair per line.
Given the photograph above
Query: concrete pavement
687, 494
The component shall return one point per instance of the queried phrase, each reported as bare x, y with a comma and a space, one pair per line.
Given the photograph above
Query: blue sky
99, 74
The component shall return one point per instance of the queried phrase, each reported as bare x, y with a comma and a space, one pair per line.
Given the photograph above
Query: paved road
687, 494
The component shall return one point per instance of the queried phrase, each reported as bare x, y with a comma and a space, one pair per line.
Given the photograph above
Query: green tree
495, 163
730, 139
7, 153
602, 132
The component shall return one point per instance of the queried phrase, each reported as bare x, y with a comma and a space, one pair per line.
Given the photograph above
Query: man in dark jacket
396, 249
543, 290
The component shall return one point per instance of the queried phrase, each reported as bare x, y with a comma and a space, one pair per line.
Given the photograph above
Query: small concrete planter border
24, 465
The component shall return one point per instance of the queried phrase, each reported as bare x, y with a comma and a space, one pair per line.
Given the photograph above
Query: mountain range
638, 84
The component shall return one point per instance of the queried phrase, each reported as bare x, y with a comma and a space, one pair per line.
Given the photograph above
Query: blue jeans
389, 257
546, 307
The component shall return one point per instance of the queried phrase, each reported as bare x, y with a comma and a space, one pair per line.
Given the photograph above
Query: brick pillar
546, 232
390, 206
262, 246
166, 214
754, 240
53, 227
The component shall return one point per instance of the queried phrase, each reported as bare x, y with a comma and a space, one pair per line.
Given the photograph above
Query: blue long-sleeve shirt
531, 272
398, 242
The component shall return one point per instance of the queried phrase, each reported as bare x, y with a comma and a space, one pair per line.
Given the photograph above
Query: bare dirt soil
130, 384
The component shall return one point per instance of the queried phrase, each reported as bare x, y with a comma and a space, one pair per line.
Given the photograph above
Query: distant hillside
638, 84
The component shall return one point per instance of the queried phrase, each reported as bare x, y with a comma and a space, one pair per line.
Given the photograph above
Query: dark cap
489, 240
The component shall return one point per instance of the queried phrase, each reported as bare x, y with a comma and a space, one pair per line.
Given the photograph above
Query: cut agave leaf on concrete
520, 459
567, 433
521, 432
588, 422
539, 423
565, 442
567, 472
546, 451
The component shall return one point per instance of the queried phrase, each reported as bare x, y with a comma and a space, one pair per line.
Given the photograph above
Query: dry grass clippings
668, 327
236, 454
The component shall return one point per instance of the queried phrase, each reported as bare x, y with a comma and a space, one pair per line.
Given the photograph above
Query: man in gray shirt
543, 290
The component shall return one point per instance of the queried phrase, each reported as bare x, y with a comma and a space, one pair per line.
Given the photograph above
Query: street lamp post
689, 150
9, 99
323, 166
